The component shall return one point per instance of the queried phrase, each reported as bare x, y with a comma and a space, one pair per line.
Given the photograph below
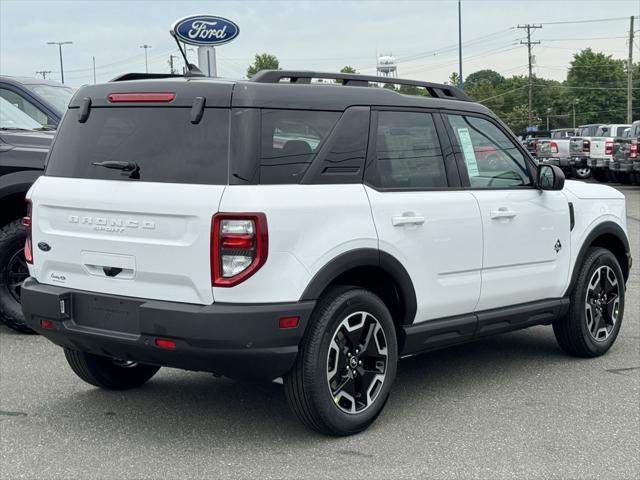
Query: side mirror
550, 177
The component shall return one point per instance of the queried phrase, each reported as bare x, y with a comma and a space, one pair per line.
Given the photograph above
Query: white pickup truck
555, 150
603, 149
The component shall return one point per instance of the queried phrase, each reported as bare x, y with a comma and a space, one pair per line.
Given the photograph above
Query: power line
593, 20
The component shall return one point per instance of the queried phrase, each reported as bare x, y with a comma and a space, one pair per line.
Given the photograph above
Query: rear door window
162, 142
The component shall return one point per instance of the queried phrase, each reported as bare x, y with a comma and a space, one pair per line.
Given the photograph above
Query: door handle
503, 212
407, 218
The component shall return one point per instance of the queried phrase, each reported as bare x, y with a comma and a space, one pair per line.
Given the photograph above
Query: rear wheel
109, 373
597, 306
580, 173
13, 271
346, 364
635, 178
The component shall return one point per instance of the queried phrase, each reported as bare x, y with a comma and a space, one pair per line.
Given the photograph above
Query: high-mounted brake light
239, 247
586, 145
554, 147
142, 97
28, 247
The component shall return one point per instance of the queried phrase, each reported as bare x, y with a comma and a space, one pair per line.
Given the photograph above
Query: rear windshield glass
162, 142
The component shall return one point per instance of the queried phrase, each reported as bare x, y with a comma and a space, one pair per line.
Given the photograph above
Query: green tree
596, 82
348, 69
454, 79
490, 76
264, 61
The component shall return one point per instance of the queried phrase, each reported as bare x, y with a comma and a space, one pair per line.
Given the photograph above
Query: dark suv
30, 110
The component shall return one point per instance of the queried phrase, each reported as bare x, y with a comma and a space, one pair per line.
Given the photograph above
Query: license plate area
106, 313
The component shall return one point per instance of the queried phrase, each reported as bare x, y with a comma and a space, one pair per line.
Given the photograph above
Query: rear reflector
47, 324
155, 97
166, 344
288, 322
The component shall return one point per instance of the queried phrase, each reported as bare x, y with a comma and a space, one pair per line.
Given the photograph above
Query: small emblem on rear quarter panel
45, 247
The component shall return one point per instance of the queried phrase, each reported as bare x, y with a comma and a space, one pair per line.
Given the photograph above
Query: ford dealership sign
205, 30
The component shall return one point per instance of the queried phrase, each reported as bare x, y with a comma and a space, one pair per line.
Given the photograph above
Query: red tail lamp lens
143, 97
26, 221
165, 343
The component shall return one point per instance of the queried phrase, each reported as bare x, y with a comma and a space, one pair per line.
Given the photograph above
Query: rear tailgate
105, 230
598, 147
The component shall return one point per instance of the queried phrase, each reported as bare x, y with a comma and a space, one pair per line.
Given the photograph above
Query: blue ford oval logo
205, 30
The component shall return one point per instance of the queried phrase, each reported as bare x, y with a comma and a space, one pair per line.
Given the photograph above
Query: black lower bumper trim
235, 340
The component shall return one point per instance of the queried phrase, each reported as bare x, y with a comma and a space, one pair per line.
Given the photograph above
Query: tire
13, 268
580, 173
105, 372
635, 178
580, 333
309, 387
613, 177
600, 175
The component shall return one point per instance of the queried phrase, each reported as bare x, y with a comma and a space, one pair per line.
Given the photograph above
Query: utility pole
44, 73
573, 111
460, 80
60, 44
94, 70
529, 44
171, 57
146, 63
630, 74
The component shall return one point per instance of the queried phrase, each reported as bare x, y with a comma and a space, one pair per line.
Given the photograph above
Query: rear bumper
235, 340
578, 161
621, 166
562, 162
598, 162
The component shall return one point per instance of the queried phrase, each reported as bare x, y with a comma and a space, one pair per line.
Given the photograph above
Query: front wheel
109, 373
346, 364
597, 306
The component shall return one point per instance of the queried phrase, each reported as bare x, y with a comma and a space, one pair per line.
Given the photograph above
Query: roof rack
436, 90
143, 76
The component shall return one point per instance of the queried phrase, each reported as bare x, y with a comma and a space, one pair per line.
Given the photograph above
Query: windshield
12, 117
59, 97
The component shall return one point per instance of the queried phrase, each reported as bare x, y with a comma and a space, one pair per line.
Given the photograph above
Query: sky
313, 35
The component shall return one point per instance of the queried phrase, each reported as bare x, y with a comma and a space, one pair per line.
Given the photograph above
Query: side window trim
372, 154
462, 167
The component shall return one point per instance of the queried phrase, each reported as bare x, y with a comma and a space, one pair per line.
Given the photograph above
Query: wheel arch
374, 270
13, 188
607, 235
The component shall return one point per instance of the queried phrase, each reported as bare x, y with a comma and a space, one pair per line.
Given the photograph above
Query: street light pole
60, 44
146, 64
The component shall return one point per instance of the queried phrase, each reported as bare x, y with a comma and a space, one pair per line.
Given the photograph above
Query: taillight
633, 149
26, 221
586, 146
239, 246
609, 148
554, 147
142, 97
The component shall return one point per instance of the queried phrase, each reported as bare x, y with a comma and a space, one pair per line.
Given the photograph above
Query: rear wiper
127, 167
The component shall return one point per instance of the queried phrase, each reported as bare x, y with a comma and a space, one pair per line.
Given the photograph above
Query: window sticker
467, 150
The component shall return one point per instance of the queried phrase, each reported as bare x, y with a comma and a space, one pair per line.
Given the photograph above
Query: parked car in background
579, 148
531, 140
555, 149
30, 110
43, 100
602, 148
625, 165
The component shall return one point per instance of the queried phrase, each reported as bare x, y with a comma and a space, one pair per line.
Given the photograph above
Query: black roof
271, 94
29, 81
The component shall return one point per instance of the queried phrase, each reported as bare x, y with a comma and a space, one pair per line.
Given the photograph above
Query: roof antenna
192, 70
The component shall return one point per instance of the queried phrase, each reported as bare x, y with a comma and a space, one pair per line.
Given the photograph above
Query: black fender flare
17, 182
605, 228
365, 257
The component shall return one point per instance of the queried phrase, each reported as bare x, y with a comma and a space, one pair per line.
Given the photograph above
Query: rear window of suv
163, 142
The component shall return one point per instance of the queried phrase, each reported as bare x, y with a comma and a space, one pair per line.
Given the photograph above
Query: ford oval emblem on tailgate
45, 247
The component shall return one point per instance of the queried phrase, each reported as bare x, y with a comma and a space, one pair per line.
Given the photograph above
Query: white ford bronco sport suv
281, 227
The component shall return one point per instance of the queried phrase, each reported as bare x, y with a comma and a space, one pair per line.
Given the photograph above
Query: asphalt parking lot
512, 406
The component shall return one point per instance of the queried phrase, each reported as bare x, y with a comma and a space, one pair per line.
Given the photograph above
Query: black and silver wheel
580, 173
596, 306
109, 373
13, 271
346, 363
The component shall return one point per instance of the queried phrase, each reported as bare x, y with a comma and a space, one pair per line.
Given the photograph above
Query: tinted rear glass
163, 142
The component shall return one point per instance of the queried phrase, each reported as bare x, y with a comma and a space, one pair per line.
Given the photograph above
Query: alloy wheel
357, 362
16, 273
602, 303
